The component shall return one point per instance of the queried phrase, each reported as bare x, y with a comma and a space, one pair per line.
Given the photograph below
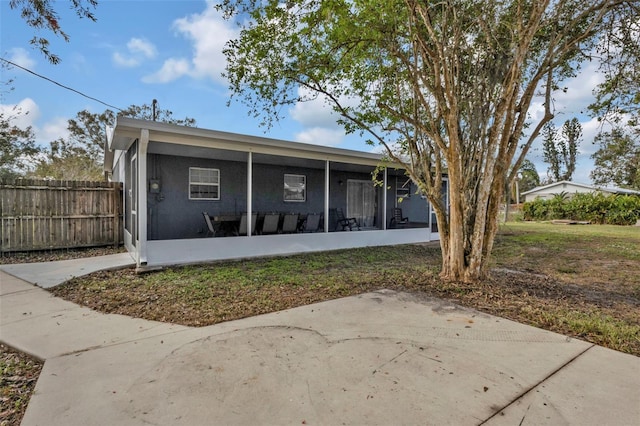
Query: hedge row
595, 208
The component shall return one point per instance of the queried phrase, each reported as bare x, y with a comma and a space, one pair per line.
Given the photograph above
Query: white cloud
21, 57
314, 113
125, 62
138, 45
579, 91
318, 119
172, 69
137, 51
208, 32
321, 136
23, 114
54, 129
27, 113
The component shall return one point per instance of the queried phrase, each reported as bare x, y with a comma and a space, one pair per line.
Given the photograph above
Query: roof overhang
127, 130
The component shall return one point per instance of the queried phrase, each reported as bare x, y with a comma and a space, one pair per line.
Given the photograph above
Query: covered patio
194, 195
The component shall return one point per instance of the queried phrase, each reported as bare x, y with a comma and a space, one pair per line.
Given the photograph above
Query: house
174, 177
549, 191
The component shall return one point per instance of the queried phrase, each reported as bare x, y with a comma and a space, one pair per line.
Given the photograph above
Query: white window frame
216, 184
304, 188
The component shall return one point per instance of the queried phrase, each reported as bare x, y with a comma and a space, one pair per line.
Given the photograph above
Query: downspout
143, 146
326, 196
249, 192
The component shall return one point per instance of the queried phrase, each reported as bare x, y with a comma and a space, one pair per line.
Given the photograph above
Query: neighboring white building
549, 191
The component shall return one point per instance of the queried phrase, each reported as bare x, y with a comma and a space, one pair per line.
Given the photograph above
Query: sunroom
196, 195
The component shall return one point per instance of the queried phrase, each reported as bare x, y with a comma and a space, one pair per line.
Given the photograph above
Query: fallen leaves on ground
18, 377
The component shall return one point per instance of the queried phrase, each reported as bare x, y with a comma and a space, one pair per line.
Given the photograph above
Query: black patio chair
397, 219
312, 222
271, 223
290, 223
242, 228
211, 231
346, 222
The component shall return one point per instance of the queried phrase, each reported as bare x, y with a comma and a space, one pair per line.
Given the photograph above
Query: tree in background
81, 155
617, 160
442, 86
40, 14
17, 145
146, 112
17, 148
560, 150
618, 97
528, 175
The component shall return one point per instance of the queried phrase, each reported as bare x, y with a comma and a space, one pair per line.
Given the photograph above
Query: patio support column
143, 146
249, 191
327, 172
384, 200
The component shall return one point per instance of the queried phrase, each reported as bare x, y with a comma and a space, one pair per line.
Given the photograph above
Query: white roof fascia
613, 190
551, 185
128, 129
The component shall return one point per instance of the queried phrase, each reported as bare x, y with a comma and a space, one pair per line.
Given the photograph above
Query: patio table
226, 223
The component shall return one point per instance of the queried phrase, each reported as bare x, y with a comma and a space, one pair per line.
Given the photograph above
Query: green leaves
592, 207
17, 146
41, 15
560, 149
442, 86
617, 160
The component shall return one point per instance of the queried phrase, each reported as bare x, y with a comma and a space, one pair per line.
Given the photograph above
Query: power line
61, 85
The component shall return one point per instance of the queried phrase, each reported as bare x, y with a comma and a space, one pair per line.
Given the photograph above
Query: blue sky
171, 50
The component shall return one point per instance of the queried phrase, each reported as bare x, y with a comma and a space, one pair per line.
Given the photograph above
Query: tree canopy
528, 175
17, 148
80, 155
617, 160
560, 149
41, 15
445, 87
618, 96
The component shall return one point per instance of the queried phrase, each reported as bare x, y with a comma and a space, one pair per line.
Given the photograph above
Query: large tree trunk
467, 234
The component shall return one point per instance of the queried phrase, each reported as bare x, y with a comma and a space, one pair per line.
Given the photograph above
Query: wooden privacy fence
52, 214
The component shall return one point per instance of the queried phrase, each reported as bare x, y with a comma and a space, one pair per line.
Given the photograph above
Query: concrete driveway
380, 358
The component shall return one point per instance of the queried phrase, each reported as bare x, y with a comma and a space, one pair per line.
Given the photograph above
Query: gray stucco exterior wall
172, 215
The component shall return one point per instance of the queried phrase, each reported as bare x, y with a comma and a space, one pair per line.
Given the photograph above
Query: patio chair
211, 232
270, 224
346, 222
242, 228
397, 219
290, 223
312, 222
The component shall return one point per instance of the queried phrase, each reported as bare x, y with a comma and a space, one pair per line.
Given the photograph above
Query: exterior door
361, 201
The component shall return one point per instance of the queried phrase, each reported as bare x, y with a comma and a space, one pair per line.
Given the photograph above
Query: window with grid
295, 188
204, 184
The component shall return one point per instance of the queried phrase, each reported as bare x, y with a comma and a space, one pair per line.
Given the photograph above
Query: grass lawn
583, 281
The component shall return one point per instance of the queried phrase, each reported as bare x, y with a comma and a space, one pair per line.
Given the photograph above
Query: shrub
593, 207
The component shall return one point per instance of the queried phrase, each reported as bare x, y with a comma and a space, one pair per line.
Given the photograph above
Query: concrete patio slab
50, 274
35, 322
601, 387
450, 366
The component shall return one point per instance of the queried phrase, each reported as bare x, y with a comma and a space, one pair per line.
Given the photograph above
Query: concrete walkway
377, 359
